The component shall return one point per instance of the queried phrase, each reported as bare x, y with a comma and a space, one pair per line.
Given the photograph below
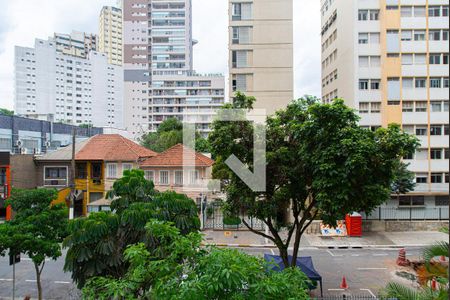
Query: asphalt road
366, 271
55, 283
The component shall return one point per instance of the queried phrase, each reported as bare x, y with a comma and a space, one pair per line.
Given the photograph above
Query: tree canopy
96, 244
170, 133
178, 268
6, 112
321, 164
37, 228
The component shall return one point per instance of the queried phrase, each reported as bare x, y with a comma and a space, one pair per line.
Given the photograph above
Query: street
55, 283
366, 271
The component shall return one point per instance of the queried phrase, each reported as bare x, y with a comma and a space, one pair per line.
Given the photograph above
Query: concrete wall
23, 171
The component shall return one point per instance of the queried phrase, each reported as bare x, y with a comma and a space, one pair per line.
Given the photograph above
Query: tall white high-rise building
68, 88
389, 60
110, 34
158, 65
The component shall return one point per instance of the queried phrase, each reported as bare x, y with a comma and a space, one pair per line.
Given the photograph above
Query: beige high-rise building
389, 60
261, 51
77, 43
110, 34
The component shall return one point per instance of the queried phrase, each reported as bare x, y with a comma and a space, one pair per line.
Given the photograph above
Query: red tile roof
174, 157
112, 147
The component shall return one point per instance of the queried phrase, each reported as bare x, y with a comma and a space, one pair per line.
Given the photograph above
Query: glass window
149, 175
434, 35
375, 107
420, 59
375, 84
236, 11
419, 35
363, 15
445, 106
375, 61
364, 84
436, 130
363, 38
421, 178
445, 35
445, 10
417, 200
436, 153
364, 61
436, 177
445, 59
446, 129
406, 35
436, 106
163, 177
179, 177
374, 38
127, 166
419, 11
406, 11
407, 59
407, 83
421, 106
363, 107
446, 82
55, 176
435, 82
446, 178
420, 83
374, 15
111, 170
434, 11
408, 106
446, 153
435, 59
194, 177
441, 200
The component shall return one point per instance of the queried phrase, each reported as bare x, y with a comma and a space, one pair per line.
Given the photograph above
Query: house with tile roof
99, 161
180, 169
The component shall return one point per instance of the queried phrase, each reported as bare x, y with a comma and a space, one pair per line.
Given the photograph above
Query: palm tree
431, 269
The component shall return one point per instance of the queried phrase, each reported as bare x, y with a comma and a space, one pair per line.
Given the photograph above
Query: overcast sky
21, 21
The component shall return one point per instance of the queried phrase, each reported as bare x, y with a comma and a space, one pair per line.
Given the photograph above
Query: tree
6, 112
170, 133
96, 244
321, 164
403, 179
178, 268
37, 228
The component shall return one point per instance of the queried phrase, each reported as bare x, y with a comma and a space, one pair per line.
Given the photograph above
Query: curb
368, 246
239, 245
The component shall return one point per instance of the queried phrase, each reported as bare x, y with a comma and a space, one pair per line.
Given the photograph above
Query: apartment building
77, 43
158, 65
110, 34
261, 51
389, 60
75, 90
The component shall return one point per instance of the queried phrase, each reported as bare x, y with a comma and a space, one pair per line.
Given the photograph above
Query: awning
305, 264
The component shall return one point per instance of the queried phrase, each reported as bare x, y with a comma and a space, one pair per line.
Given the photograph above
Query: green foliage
231, 220
170, 133
97, 243
319, 161
37, 228
6, 112
403, 179
179, 269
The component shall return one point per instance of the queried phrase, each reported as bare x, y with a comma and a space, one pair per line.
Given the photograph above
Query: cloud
21, 21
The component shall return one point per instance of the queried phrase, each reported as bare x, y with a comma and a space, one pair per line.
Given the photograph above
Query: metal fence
409, 213
214, 219
351, 297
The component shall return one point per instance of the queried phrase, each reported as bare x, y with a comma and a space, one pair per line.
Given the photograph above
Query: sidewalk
368, 240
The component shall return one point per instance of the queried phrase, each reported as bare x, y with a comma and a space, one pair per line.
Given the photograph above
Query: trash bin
353, 223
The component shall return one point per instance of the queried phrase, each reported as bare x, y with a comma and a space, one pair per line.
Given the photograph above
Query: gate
213, 219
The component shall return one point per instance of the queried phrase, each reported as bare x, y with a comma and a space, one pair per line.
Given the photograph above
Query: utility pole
72, 177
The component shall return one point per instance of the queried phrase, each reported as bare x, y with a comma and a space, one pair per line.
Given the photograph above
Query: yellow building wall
88, 186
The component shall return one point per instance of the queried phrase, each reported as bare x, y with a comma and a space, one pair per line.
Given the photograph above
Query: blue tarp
305, 264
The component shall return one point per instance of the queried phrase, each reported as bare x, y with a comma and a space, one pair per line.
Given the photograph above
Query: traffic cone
443, 259
401, 260
344, 284
433, 284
